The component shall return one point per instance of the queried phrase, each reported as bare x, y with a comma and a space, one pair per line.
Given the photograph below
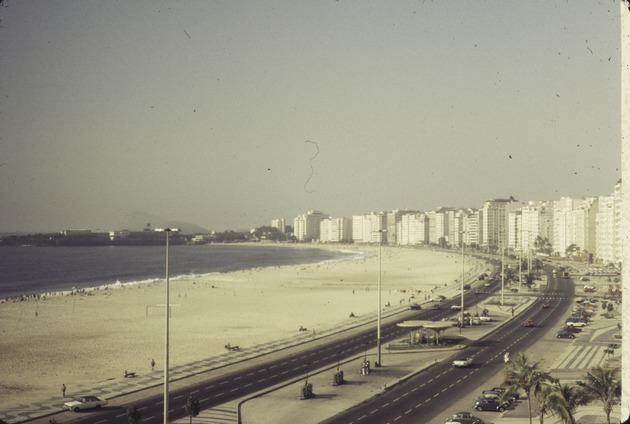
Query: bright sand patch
83, 338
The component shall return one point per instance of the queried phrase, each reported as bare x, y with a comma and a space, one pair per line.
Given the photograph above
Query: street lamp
462, 291
378, 319
167, 231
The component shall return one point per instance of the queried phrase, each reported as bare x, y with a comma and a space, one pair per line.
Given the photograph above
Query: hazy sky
231, 113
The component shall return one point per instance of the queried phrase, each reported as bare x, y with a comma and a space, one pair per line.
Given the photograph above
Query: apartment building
495, 215
413, 229
335, 230
370, 228
279, 224
306, 226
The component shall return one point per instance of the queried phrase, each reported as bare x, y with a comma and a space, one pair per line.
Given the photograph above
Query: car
489, 404
456, 308
585, 279
571, 329
415, 307
528, 323
85, 402
498, 395
545, 306
565, 335
575, 323
462, 362
478, 291
485, 318
463, 418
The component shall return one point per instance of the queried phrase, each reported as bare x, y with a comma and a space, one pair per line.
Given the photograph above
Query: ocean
30, 270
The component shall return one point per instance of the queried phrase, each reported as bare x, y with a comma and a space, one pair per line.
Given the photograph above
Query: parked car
415, 307
463, 418
85, 402
565, 335
575, 323
571, 329
489, 404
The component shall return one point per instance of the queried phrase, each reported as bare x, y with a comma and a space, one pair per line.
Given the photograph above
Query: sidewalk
37, 411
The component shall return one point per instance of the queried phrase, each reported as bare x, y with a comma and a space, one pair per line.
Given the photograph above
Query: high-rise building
335, 230
413, 229
279, 224
370, 228
306, 226
495, 215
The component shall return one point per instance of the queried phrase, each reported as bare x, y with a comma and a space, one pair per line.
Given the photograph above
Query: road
429, 394
255, 377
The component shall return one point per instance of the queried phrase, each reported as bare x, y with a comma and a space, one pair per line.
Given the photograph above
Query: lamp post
166, 336
462, 288
378, 319
502, 265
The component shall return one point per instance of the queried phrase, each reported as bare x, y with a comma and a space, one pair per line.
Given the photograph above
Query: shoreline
92, 337
180, 277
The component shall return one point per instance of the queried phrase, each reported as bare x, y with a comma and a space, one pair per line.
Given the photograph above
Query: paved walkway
272, 405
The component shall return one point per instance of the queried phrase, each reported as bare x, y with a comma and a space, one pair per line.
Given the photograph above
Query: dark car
415, 307
565, 335
463, 418
571, 329
489, 404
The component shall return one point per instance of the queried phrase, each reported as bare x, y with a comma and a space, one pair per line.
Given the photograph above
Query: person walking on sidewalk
152, 364
63, 390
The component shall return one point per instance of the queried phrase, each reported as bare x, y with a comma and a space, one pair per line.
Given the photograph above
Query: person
152, 364
63, 390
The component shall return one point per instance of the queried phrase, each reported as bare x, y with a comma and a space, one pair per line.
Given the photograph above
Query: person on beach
63, 390
152, 364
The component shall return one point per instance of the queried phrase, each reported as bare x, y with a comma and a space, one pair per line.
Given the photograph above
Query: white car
85, 402
575, 324
485, 318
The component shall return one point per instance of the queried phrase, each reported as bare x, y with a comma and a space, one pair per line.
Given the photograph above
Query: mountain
139, 220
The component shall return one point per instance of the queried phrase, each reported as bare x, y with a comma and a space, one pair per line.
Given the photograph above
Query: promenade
280, 404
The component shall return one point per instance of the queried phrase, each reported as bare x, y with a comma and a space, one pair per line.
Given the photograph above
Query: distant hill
138, 220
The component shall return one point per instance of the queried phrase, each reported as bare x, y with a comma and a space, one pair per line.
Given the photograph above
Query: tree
573, 249
526, 376
573, 396
603, 386
543, 245
550, 399
192, 407
133, 415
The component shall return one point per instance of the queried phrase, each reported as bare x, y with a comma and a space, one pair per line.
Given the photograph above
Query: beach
95, 335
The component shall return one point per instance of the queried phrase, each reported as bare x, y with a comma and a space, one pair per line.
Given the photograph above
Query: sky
228, 114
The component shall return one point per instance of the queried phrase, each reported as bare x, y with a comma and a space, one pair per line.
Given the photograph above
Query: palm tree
604, 386
573, 396
526, 376
549, 399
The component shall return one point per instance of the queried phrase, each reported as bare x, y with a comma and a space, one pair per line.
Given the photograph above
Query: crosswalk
582, 358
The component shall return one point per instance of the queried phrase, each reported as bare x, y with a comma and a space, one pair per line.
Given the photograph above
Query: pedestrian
152, 364
63, 390
512, 311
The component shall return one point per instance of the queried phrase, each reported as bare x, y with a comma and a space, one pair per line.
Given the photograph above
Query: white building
413, 229
495, 215
370, 228
279, 224
335, 230
306, 226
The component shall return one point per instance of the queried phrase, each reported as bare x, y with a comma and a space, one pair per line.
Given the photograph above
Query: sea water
33, 270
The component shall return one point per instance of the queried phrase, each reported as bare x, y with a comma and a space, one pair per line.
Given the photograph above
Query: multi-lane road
431, 392
427, 394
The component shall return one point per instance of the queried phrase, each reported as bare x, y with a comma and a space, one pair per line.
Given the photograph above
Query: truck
462, 362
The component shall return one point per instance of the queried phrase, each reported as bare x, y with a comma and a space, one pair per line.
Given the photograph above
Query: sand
91, 337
